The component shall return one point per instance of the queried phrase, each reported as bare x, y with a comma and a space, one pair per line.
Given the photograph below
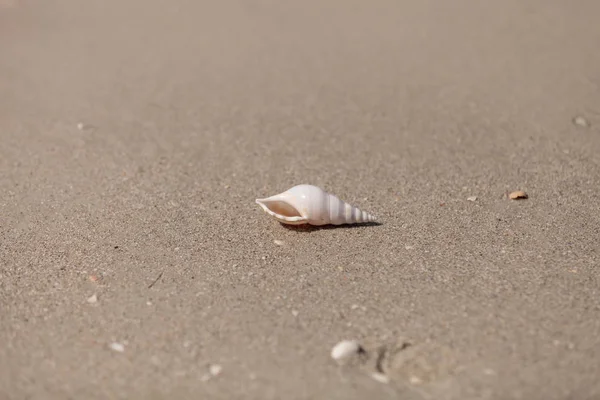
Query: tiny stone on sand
472, 198
379, 377
213, 371
84, 127
279, 242
92, 299
518, 195
118, 347
345, 349
581, 121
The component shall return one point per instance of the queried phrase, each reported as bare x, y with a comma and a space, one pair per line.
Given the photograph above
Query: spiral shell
307, 204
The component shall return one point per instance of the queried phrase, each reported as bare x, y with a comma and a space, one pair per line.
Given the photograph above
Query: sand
136, 135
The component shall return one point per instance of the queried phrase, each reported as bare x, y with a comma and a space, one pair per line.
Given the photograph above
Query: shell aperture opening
282, 211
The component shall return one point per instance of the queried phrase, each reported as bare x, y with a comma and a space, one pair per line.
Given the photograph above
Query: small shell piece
308, 204
519, 194
118, 347
345, 349
581, 121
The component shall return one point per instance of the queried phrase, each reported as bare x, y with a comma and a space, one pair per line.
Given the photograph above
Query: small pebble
415, 380
92, 299
345, 349
581, 121
93, 278
118, 347
519, 194
215, 369
472, 198
279, 242
295, 313
379, 377
80, 126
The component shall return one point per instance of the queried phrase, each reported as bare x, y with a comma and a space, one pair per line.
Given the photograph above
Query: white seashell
379, 377
345, 349
118, 347
215, 369
307, 204
92, 299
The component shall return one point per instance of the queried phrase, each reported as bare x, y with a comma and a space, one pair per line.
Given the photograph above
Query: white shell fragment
118, 347
308, 204
345, 349
379, 377
581, 121
92, 299
215, 369
519, 194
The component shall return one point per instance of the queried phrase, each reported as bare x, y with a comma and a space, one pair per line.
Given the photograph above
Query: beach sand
136, 135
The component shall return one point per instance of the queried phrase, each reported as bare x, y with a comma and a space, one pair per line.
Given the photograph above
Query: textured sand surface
135, 136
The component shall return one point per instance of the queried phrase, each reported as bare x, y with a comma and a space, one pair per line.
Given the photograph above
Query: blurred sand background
135, 136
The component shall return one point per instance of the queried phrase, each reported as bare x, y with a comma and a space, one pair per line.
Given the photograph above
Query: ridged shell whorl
308, 204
